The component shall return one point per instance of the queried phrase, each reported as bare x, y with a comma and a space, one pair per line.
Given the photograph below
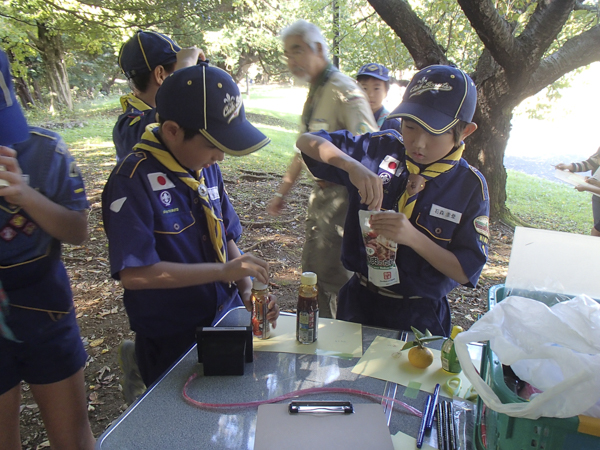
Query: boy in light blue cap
42, 203
375, 81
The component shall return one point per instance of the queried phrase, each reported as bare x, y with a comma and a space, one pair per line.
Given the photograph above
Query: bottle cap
258, 286
455, 330
308, 278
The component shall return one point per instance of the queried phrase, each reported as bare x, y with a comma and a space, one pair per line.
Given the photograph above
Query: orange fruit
420, 357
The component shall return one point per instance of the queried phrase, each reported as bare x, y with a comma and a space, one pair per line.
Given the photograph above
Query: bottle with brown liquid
261, 327
307, 315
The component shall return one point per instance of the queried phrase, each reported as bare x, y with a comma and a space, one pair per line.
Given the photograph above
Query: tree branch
414, 33
577, 52
543, 27
494, 31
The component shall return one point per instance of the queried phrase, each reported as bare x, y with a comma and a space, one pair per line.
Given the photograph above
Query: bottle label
307, 326
450, 361
260, 325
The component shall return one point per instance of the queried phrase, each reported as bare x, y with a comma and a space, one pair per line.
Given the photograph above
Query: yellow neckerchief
216, 229
131, 100
407, 201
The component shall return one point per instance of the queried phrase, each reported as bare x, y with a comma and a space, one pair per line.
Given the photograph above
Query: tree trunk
24, 93
50, 46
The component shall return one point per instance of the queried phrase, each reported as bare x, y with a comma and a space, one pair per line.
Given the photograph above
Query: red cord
318, 390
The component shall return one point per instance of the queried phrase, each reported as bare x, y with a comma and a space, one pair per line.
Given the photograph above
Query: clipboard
366, 428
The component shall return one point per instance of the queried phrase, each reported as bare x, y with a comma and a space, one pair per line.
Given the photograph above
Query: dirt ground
100, 308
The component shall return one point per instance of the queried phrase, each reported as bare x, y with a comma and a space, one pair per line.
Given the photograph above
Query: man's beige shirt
340, 104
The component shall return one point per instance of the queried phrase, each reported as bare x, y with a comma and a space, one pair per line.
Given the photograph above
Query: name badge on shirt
445, 213
213, 193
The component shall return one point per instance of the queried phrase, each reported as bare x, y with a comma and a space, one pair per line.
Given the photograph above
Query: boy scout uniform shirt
340, 104
452, 210
31, 270
131, 124
150, 216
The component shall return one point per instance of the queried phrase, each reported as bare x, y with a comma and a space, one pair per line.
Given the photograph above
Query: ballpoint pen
426, 411
436, 393
452, 427
440, 433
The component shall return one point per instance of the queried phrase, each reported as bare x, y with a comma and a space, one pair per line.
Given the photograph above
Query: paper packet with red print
381, 254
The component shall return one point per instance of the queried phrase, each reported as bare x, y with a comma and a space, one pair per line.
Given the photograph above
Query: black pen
426, 411
440, 434
452, 427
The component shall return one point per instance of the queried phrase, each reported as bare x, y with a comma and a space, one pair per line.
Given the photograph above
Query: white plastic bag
556, 350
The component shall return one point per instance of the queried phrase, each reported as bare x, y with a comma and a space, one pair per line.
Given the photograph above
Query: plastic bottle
307, 315
450, 362
260, 307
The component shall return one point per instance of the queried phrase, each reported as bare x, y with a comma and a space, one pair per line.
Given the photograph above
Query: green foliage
548, 205
421, 339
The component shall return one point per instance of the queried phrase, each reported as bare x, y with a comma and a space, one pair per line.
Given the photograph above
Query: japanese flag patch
159, 181
391, 165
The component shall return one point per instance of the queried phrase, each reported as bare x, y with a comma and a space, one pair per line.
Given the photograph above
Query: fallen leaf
96, 342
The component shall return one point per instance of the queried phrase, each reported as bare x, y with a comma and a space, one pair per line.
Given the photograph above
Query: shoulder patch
482, 225
130, 163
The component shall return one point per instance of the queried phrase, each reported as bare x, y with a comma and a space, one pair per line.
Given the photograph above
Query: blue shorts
51, 349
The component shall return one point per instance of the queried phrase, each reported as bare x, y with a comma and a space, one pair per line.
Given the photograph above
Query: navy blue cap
206, 99
13, 126
146, 50
374, 70
437, 98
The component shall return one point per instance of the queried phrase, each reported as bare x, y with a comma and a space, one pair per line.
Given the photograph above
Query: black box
224, 350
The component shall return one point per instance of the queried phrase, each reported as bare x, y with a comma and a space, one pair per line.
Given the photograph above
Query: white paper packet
381, 254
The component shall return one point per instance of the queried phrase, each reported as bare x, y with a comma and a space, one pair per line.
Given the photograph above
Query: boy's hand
394, 226
246, 265
16, 192
187, 57
369, 185
562, 166
593, 181
275, 206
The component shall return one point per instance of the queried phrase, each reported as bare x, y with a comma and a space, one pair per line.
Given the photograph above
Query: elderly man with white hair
335, 102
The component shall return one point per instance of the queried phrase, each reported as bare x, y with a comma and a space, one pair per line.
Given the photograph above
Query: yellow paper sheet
403, 441
335, 338
384, 360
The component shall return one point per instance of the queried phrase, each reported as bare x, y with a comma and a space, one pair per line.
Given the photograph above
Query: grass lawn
276, 112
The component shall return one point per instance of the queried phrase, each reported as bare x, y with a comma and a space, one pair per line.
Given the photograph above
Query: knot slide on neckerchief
418, 178
5, 331
216, 229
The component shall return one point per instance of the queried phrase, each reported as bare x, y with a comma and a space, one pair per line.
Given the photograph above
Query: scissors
454, 385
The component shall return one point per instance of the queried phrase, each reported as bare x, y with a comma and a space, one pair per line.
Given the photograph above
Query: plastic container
450, 362
495, 430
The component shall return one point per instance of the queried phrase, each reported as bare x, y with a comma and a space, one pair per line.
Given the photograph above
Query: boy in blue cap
42, 203
146, 59
375, 80
435, 206
171, 228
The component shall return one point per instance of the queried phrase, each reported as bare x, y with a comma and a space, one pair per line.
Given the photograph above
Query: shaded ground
99, 299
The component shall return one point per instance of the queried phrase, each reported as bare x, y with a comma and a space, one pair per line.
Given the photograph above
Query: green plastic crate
495, 430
